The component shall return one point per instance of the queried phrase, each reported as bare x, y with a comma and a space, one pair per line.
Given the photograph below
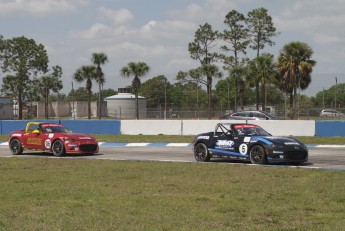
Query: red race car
51, 137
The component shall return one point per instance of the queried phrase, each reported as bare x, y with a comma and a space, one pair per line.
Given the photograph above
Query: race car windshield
251, 131
55, 129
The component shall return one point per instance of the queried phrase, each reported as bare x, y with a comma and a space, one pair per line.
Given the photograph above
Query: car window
55, 129
33, 127
244, 114
250, 130
259, 115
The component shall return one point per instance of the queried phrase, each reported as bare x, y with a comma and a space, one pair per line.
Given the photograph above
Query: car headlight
70, 140
275, 146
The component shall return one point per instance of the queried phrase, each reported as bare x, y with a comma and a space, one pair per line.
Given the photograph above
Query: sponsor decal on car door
33, 140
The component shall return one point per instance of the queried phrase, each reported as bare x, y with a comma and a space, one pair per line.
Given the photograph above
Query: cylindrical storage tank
123, 106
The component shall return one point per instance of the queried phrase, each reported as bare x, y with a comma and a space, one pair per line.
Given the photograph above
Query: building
7, 108
123, 105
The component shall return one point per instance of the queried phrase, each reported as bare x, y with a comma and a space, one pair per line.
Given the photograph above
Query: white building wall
123, 106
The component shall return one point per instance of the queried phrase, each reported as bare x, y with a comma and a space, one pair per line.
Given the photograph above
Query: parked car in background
249, 115
330, 112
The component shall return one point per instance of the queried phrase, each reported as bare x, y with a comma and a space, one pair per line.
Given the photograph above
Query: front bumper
288, 156
81, 148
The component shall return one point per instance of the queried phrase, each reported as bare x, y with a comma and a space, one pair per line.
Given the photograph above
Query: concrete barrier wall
185, 127
193, 127
151, 127
288, 127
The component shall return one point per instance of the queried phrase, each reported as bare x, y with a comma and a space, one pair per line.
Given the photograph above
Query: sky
157, 32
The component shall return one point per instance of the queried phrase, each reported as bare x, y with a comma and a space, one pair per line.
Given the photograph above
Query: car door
32, 137
242, 139
224, 142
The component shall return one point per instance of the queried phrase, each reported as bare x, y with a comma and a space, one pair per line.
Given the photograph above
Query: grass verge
80, 194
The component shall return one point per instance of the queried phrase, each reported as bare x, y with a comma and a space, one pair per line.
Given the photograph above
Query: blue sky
158, 32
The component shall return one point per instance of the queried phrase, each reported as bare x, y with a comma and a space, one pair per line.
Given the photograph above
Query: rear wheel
58, 148
201, 152
16, 147
257, 155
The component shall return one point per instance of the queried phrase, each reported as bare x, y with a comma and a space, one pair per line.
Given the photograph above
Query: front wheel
16, 147
257, 155
58, 148
201, 152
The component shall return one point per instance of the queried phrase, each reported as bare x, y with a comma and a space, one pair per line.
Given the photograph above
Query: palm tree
263, 69
239, 73
47, 83
204, 75
99, 59
295, 66
86, 73
138, 70
210, 71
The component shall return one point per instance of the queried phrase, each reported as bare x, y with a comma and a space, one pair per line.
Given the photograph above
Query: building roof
123, 96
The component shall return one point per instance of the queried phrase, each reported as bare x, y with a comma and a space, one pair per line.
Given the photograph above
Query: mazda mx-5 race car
51, 137
249, 142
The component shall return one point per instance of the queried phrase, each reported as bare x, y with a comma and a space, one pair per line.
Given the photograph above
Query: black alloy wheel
201, 152
257, 155
16, 147
58, 148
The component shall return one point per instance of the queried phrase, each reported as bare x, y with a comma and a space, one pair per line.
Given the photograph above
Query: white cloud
120, 16
327, 39
38, 7
96, 31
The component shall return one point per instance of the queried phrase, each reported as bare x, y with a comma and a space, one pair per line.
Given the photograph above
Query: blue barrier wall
93, 126
330, 128
77, 126
8, 126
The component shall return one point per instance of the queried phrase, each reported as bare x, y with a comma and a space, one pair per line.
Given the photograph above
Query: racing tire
58, 148
201, 152
257, 155
16, 147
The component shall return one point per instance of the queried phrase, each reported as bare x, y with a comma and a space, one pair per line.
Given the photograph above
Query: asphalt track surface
323, 157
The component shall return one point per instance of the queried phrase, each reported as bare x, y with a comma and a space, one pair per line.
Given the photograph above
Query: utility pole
335, 101
73, 112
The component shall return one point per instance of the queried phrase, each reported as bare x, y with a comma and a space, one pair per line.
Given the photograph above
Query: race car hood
283, 140
77, 136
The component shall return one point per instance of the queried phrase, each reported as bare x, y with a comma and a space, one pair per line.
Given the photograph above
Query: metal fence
35, 110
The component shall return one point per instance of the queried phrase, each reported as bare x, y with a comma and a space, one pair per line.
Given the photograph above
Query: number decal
243, 149
47, 144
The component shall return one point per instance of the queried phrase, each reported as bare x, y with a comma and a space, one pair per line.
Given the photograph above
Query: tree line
243, 79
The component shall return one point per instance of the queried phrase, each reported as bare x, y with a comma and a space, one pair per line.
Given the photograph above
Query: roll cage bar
222, 127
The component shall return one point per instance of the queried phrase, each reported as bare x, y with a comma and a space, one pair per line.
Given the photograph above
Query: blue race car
249, 142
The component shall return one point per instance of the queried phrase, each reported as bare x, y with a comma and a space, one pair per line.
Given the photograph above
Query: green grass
80, 194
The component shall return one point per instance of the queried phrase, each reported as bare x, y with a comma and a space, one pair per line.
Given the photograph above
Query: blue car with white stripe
249, 142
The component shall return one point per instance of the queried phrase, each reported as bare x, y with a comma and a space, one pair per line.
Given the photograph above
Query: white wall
151, 127
193, 127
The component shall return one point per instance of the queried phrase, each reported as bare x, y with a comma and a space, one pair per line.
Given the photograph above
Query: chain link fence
79, 109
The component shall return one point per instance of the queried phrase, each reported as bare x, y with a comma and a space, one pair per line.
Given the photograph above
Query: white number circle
243, 149
47, 143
